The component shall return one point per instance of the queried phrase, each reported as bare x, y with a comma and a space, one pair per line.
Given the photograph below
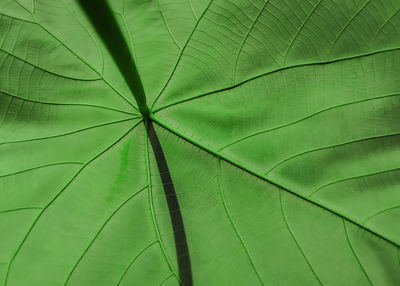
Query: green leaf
272, 137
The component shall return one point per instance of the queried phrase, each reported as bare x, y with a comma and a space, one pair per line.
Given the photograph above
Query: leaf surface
277, 122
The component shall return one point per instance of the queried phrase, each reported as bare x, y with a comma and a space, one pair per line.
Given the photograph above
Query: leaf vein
245, 38
354, 253
57, 196
294, 238
331, 146
181, 54
263, 178
99, 231
307, 117
66, 104
20, 209
352, 178
67, 133
271, 72
231, 220
134, 259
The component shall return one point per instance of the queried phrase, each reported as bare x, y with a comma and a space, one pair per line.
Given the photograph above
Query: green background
279, 121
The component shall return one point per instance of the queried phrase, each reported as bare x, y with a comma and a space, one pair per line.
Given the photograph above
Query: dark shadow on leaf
181, 246
106, 26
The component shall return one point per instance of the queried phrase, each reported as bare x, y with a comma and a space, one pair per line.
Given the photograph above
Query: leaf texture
277, 122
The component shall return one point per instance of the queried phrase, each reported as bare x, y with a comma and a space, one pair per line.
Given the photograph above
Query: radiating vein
352, 178
67, 133
347, 24
191, 9
299, 30
166, 278
167, 27
181, 54
85, 62
47, 71
264, 178
99, 231
231, 220
127, 31
16, 18
106, 26
41, 166
382, 26
91, 67
20, 209
294, 238
33, 5
245, 39
66, 104
90, 34
354, 253
330, 147
380, 212
134, 259
58, 195
304, 118
271, 72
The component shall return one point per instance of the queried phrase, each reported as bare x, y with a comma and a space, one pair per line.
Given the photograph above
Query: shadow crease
181, 246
